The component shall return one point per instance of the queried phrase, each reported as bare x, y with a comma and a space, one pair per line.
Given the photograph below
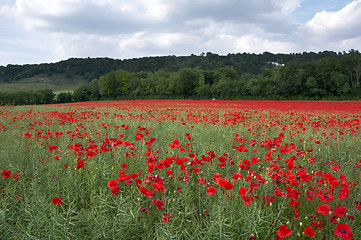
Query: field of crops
181, 170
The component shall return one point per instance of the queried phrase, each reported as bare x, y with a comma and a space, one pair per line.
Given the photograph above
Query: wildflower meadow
181, 169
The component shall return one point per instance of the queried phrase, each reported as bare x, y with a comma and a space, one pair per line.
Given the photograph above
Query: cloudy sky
41, 31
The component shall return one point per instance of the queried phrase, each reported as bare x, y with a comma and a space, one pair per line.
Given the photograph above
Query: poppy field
181, 169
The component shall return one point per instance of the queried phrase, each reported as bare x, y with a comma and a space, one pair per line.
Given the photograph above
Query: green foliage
186, 82
323, 75
64, 97
114, 83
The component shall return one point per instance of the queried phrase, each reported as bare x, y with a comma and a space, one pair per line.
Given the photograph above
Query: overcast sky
42, 31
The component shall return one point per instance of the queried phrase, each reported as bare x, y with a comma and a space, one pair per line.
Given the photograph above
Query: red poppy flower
278, 192
80, 164
339, 211
160, 203
318, 225
293, 203
228, 186
211, 190
16, 177
216, 176
344, 193
252, 237
247, 200
112, 183
253, 186
114, 190
158, 187
243, 191
6, 174
284, 231
237, 176
334, 219
144, 190
325, 197
335, 168
268, 199
222, 182
343, 231
143, 210
202, 181
323, 209
57, 201
166, 217
310, 195
296, 214
124, 165
309, 231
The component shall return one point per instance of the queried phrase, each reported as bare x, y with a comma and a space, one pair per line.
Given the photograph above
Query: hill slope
56, 82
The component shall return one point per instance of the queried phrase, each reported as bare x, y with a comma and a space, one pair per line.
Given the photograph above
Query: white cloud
332, 30
288, 6
46, 8
340, 24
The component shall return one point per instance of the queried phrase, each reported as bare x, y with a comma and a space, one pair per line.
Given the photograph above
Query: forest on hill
324, 75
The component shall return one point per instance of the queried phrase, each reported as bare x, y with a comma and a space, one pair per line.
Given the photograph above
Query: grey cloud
263, 13
179, 16
93, 20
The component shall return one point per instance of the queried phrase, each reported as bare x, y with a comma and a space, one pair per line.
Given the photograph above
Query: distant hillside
55, 82
68, 74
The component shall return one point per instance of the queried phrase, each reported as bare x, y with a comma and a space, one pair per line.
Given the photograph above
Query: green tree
94, 89
342, 86
254, 86
202, 89
187, 80
114, 83
290, 84
324, 69
227, 73
313, 87
161, 80
351, 64
44, 96
64, 97
82, 93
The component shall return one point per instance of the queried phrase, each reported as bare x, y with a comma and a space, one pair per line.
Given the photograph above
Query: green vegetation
325, 75
167, 170
55, 82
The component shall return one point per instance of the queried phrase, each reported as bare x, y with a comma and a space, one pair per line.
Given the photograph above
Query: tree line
333, 77
42, 96
326, 78
91, 68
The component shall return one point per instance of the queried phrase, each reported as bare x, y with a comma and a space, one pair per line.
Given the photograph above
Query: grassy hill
55, 82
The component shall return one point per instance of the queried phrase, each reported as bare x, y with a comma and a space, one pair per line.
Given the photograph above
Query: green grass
90, 211
55, 82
